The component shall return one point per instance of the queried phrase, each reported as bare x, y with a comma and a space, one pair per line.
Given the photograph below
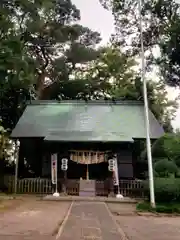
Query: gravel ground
150, 228
145, 227
32, 220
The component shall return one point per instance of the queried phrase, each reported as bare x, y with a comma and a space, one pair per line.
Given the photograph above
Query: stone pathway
88, 220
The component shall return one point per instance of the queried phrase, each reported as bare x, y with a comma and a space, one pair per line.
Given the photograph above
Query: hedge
166, 190
160, 207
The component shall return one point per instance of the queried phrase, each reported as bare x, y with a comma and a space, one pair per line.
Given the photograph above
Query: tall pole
146, 111
16, 165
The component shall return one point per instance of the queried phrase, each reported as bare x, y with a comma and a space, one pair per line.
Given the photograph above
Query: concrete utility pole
17, 145
146, 111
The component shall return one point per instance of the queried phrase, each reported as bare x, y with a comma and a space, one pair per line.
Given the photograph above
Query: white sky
94, 16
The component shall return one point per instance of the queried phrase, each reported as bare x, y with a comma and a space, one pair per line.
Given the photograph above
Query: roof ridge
82, 102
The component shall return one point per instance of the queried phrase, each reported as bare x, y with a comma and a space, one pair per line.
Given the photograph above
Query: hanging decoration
111, 165
87, 157
54, 168
64, 164
116, 174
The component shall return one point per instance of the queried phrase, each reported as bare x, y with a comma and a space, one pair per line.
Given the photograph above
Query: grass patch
170, 208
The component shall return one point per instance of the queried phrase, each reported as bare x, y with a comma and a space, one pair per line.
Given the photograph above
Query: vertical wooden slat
50, 186
41, 187
25, 185
128, 188
33, 185
44, 183
36, 185
30, 186
20, 186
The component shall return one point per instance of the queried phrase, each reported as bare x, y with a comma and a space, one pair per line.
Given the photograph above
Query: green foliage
165, 168
168, 146
161, 21
2, 140
166, 155
40, 46
111, 75
160, 208
5, 144
166, 189
57, 58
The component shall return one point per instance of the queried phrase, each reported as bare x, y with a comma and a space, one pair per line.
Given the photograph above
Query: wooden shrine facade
89, 164
85, 133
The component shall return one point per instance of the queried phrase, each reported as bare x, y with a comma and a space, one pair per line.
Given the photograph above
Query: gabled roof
86, 121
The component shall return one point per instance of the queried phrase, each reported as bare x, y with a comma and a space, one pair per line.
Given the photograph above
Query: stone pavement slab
88, 220
124, 209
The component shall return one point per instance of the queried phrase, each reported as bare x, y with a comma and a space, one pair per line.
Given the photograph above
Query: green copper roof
87, 136
91, 121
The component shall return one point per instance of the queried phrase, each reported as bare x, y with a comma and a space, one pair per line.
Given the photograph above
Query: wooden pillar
111, 185
64, 168
64, 184
111, 175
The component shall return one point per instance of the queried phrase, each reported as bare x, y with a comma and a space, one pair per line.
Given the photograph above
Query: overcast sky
94, 16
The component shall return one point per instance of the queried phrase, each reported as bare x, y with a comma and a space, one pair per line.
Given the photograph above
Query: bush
166, 189
165, 168
160, 208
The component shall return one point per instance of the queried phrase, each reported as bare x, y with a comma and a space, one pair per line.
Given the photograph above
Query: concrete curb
89, 199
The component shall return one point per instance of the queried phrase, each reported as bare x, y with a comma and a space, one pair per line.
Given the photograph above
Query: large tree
41, 44
56, 58
113, 74
161, 30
